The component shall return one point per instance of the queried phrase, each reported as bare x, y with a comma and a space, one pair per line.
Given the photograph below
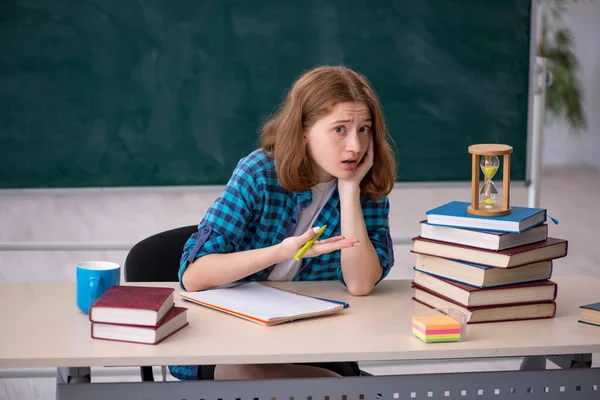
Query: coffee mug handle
94, 287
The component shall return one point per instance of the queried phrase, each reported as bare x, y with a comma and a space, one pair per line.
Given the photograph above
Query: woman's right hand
289, 247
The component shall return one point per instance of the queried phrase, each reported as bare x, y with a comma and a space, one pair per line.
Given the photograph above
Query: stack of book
490, 268
138, 314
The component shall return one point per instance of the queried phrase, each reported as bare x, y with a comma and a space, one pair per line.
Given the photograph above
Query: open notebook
263, 304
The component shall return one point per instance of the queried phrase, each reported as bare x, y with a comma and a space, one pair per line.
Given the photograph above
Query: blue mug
93, 279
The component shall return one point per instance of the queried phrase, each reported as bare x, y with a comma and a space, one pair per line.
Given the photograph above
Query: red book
133, 305
470, 296
175, 320
490, 313
548, 249
491, 240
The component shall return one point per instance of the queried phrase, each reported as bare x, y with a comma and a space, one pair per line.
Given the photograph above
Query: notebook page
262, 301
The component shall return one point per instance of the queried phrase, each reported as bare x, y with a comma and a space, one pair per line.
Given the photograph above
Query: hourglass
485, 160
488, 195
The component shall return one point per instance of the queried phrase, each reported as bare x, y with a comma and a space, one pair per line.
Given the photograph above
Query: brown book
495, 313
469, 296
482, 275
491, 240
549, 249
134, 305
175, 320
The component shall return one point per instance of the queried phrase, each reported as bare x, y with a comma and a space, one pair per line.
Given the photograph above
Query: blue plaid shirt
255, 211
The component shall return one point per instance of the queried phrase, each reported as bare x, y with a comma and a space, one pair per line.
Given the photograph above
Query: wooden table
41, 327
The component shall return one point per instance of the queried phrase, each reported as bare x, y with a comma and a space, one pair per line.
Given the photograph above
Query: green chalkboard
112, 93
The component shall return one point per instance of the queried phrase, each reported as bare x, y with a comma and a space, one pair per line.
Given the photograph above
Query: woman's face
338, 141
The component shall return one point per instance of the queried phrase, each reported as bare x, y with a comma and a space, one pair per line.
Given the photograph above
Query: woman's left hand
363, 167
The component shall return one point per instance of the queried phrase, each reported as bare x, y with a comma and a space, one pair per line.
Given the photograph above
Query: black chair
156, 259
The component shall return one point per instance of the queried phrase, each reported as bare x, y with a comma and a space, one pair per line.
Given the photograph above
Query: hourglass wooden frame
481, 150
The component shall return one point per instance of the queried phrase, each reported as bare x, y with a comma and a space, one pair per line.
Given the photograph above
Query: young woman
325, 159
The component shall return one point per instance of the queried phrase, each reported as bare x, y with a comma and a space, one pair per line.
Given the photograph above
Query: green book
590, 314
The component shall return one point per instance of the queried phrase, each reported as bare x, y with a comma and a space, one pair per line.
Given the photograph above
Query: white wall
561, 146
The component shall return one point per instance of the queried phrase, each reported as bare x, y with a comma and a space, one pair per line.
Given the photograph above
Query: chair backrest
156, 258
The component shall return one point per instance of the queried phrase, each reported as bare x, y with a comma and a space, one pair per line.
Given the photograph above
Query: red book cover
174, 312
478, 308
416, 285
508, 253
136, 297
495, 233
469, 288
499, 320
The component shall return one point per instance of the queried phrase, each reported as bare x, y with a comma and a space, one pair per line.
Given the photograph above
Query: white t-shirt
286, 270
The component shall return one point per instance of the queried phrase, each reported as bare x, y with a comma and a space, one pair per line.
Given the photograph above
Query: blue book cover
593, 306
484, 286
455, 214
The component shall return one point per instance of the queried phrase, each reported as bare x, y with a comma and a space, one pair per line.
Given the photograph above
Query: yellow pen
309, 244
